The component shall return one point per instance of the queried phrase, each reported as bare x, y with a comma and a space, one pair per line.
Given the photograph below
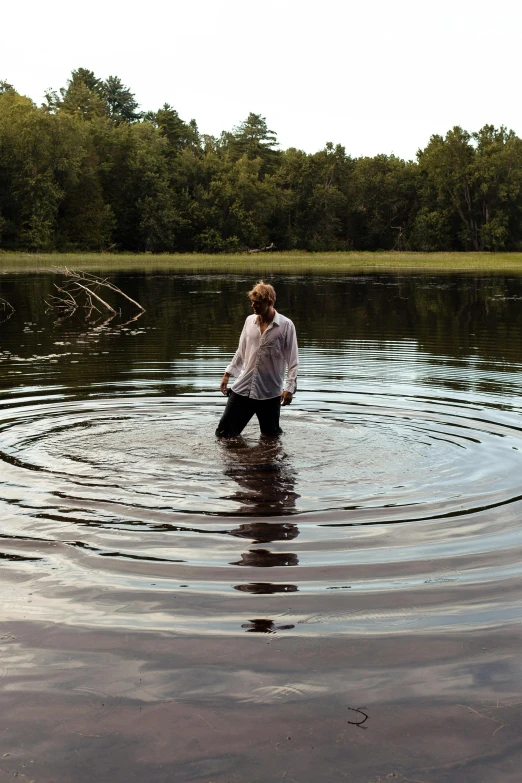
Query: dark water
344, 603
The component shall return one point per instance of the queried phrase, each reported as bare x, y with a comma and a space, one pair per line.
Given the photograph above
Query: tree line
88, 171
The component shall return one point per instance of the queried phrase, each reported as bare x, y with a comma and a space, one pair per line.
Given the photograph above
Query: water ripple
366, 496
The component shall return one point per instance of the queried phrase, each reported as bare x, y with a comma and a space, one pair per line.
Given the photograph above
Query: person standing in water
267, 346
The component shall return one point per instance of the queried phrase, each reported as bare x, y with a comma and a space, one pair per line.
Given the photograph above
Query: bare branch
82, 289
91, 293
7, 308
119, 291
134, 318
67, 294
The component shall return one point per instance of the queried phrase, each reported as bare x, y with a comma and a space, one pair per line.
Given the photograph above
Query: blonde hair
262, 290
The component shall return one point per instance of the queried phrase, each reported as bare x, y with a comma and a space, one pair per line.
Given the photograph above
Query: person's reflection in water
263, 558
261, 533
266, 484
264, 626
263, 474
266, 588
264, 532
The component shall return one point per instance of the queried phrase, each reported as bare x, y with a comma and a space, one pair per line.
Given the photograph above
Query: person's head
262, 297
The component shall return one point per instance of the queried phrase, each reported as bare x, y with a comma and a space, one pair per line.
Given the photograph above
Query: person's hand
224, 384
286, 398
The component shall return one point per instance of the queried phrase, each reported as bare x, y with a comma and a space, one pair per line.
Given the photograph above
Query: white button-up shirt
260, 360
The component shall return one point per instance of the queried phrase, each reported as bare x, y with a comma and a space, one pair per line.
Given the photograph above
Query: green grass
258, 264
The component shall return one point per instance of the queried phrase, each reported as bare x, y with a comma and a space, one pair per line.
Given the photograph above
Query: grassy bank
258, 264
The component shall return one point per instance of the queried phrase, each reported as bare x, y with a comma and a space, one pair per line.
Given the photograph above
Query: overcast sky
375, 75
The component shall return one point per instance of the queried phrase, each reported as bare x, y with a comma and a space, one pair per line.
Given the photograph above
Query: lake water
344, 603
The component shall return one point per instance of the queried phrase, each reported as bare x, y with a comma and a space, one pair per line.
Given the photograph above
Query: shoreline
275, 263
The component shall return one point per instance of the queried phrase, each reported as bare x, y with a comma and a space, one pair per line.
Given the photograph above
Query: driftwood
268, 249
401, 243
6, 310
81, 289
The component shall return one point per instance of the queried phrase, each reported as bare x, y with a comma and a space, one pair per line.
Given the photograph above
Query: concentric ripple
391, 503
364, 499
369, 461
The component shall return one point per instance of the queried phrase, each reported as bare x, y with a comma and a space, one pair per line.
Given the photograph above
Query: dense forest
88, 171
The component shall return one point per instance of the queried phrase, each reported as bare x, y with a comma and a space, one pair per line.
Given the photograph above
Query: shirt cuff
291, 386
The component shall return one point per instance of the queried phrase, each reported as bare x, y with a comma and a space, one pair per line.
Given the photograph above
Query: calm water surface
342, 603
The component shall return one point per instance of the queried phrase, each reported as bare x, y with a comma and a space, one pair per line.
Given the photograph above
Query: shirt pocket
274, 348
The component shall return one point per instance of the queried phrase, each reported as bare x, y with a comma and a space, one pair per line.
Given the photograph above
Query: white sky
375, 75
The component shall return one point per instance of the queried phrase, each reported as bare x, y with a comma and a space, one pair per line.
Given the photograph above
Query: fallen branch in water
91, 294
81, 289
6, 308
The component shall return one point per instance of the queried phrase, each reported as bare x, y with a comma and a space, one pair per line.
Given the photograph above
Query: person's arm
292, 361
234, 368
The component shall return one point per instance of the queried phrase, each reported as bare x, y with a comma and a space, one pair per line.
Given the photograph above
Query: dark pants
240, 410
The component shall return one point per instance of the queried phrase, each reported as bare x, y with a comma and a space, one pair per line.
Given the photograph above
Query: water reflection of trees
448, 316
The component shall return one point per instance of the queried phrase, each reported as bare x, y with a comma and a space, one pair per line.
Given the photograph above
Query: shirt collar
276, 320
